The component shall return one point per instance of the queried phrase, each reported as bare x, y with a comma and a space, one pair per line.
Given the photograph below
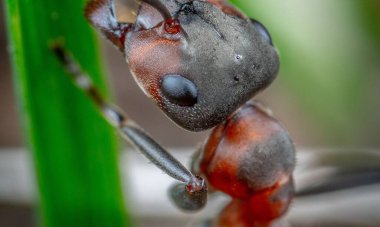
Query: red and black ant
202, 61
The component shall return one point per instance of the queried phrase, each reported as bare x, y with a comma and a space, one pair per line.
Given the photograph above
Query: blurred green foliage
330, 63
74, 149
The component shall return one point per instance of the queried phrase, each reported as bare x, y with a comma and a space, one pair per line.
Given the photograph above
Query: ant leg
189, 196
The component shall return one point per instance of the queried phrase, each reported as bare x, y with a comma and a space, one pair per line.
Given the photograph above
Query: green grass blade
74, 149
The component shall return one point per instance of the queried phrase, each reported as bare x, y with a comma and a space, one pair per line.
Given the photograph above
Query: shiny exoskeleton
251, 158
199, 60
202, 61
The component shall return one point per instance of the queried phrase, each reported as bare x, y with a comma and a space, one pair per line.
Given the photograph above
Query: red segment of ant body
249, 152
200, 61
251, 158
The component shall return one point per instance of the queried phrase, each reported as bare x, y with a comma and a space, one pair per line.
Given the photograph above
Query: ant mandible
202, 61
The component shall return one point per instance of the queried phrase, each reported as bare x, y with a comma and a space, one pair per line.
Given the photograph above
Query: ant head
199, 60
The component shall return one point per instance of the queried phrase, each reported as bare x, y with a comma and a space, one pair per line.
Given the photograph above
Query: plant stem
74, 149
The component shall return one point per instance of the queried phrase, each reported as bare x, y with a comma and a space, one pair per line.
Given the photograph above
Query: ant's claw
189, 197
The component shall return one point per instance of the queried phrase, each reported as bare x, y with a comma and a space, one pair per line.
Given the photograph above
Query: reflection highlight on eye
179, 90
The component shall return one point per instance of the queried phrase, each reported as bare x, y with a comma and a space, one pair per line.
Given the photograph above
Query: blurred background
327, 93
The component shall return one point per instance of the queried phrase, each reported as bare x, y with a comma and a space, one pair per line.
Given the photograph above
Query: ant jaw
163, 6
101, 14
115, 23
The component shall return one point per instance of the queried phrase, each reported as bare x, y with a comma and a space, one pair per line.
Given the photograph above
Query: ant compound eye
179, 90
262, 30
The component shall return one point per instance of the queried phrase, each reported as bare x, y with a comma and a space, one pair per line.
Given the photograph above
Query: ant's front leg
191, 194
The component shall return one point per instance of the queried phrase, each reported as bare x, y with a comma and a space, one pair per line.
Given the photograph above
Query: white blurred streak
352, 207
17, 183
145, 189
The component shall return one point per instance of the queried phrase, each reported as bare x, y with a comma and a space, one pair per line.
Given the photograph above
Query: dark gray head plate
202, 74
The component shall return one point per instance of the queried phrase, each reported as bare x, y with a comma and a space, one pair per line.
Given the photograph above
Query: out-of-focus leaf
74, 149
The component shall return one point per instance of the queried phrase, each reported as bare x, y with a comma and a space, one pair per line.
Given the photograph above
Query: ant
202, 61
